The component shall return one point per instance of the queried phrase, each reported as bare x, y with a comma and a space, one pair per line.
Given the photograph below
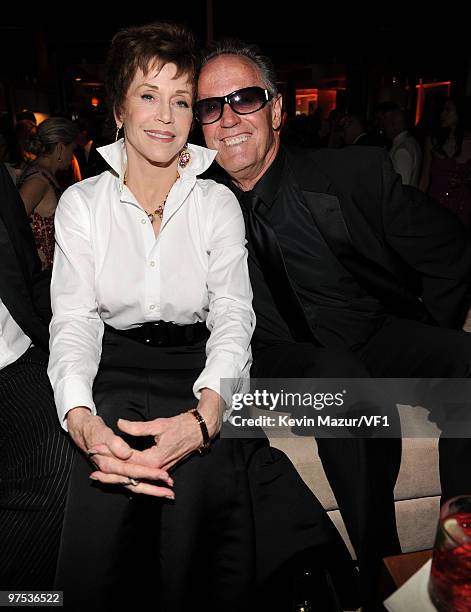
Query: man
349, 272
355, 131
405, 152
35, 454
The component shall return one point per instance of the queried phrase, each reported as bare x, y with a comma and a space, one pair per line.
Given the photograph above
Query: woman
446, 173
152, 308
38, 186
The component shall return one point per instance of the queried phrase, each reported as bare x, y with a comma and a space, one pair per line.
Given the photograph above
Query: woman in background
38, 186
446, 172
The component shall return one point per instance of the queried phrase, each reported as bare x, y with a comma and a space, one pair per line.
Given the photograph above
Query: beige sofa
417, 491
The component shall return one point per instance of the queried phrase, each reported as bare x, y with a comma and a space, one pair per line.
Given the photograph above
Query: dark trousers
363, 472
121, 549
35, 461
240, 511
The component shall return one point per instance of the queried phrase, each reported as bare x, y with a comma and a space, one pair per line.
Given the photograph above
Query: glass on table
450, 578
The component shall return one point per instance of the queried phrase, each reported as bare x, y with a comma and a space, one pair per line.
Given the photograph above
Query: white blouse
109, 267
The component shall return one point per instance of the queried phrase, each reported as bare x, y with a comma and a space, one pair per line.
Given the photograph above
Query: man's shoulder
343, 167
333, 158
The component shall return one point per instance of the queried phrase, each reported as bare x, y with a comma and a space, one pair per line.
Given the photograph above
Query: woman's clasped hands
117, 462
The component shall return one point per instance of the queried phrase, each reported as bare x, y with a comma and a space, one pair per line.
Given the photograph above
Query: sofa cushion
418, 476
417, 491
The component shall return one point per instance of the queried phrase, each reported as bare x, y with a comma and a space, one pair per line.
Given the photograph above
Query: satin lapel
350, 237
364, 256
377, 279
323, 205
327, 214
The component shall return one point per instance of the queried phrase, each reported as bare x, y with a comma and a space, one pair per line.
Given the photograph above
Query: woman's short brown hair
143, 46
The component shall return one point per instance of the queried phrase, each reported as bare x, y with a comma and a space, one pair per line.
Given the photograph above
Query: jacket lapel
352, 243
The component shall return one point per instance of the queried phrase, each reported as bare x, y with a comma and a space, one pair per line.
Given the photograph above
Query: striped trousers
35, 461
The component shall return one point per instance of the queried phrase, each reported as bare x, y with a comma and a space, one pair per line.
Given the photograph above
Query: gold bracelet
205, 447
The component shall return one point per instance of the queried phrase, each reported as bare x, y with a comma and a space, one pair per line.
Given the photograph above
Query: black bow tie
266, 248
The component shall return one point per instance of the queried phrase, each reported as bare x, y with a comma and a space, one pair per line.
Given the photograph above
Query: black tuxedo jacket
23, 288
398, 243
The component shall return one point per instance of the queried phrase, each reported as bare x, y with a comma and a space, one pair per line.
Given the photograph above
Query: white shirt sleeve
231, 319
404, 165
76, 330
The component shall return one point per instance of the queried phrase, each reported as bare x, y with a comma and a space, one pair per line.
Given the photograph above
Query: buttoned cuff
226, 379
71, 392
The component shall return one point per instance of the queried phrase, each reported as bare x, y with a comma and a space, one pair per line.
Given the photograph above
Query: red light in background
306, 99
421, 93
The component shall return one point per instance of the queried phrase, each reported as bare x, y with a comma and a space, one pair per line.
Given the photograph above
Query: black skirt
240, 512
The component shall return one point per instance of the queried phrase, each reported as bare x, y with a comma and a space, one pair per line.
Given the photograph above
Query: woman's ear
119, 123
59, 151
118, 118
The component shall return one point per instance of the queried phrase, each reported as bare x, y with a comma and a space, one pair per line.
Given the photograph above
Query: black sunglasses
242, 101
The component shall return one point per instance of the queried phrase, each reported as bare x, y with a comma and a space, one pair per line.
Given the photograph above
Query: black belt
164, 333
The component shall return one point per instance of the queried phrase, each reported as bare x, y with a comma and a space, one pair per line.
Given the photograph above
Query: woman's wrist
211, 408
77, 414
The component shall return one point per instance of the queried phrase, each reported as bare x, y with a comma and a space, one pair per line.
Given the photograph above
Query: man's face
246, 144
389, 125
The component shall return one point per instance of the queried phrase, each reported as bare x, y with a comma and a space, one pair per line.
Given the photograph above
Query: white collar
400, 137
201, 158
359, 136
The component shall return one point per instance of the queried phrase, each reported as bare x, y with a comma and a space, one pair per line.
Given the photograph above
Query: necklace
159, 211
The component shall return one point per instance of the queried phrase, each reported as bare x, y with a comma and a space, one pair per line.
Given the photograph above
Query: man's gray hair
234, 46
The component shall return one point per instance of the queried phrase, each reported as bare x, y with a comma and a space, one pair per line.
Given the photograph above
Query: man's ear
276, 112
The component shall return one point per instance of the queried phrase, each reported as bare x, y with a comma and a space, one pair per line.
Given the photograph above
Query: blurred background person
355, 130
334, 138
405, 151
378, 122
26, 130
446, 173
15, 145
38, 185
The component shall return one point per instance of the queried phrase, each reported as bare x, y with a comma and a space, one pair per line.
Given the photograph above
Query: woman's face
157, 114
449, 115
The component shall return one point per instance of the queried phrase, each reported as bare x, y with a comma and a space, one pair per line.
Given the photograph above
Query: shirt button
152, 263
151, 307
143, 221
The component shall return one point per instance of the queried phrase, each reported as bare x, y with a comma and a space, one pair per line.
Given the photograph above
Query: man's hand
111, 454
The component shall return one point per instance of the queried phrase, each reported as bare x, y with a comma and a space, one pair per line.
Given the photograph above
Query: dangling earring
184, 157
118, 130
